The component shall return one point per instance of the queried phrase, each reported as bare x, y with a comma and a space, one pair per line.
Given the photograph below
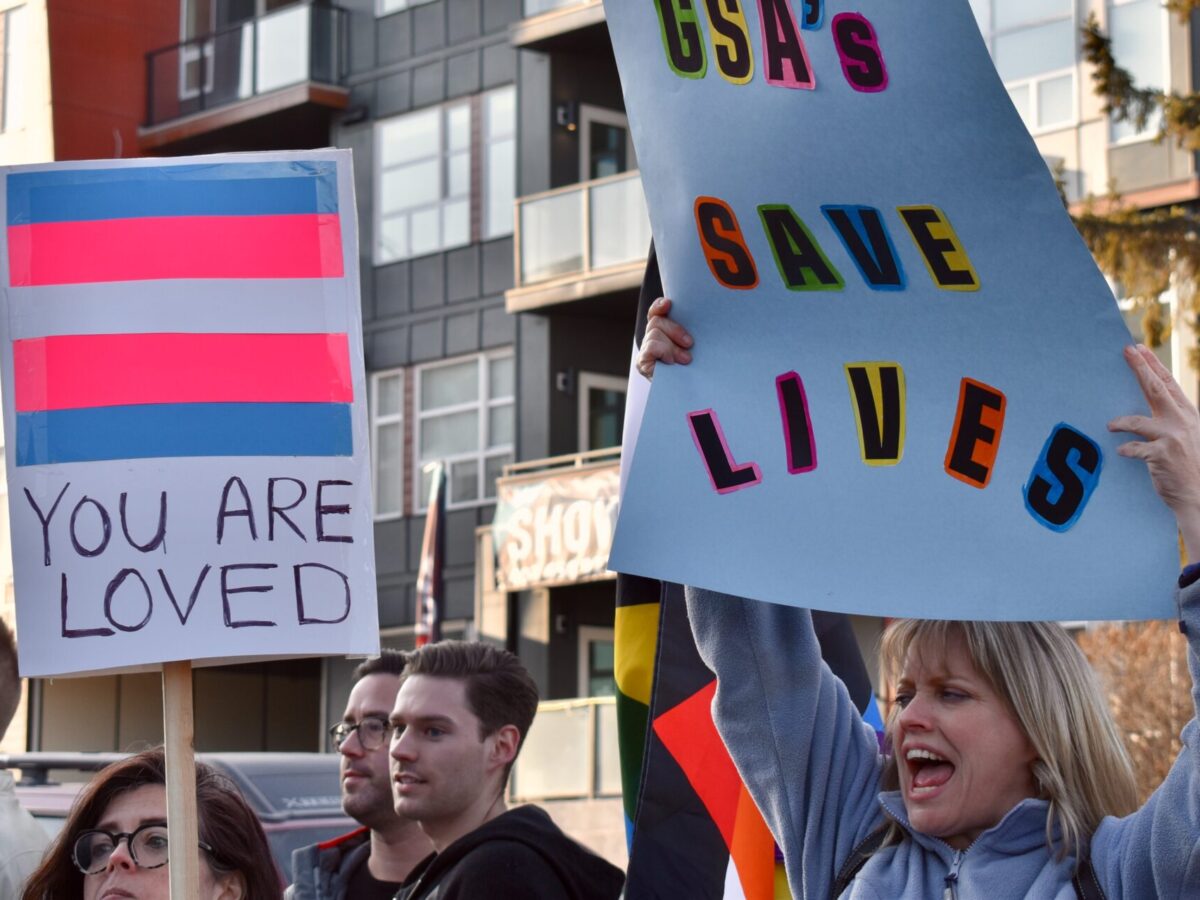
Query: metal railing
575, 231
299, 43
570, 752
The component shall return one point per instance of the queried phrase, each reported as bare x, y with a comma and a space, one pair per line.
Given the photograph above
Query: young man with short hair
460, 718
370, 862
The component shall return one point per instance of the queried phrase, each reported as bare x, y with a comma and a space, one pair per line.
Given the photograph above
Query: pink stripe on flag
90, 370
281, 246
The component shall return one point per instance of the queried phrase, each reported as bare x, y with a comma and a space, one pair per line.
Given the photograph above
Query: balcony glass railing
537, 7
299, 43
582, 229
571, 751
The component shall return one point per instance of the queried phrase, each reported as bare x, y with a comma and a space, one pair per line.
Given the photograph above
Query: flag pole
183, 856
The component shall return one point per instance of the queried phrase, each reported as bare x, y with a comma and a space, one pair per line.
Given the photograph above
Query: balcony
287, 65
546, 21
580, 241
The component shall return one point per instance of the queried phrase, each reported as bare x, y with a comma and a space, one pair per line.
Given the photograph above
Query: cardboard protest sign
905, 358
184, 411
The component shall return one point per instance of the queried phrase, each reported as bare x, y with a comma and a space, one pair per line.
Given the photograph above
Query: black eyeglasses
147, 847
372, 732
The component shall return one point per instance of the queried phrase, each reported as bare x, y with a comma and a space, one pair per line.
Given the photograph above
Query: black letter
855, 40
727, 241
45, 520
783, 46
341, 509
105, 526
681, 37
734, 65
222, 513
273, 510
1067, 458
880, 433
717, 460
306, 620
77, 632
117, 581
226, 590
159, 538
184, 615
877, 264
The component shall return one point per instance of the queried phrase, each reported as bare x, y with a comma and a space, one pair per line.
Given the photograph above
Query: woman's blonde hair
1082, 767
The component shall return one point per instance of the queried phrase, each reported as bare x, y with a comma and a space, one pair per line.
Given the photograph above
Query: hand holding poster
905, 358
184, 402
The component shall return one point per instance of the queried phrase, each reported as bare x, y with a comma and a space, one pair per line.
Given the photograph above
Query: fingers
665, 340
1142, 425
1155, 380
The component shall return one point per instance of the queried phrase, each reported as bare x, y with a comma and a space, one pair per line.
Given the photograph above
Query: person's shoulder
502, 868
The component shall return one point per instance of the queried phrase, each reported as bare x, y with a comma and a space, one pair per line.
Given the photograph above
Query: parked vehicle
296, 796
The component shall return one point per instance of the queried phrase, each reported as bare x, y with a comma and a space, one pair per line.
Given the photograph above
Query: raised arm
812, 765
1156, 851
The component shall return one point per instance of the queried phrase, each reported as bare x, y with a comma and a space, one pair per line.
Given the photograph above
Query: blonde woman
1007, 777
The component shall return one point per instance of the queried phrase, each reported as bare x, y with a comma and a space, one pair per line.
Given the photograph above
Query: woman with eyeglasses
114, 844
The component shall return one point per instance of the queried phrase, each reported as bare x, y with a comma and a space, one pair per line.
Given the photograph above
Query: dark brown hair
226, 823
10, 679
388, 662
499, 689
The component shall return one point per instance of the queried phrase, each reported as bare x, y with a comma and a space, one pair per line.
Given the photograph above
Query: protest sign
184, 409
905, 357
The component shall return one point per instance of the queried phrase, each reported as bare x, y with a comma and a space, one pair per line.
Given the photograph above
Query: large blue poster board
905, 356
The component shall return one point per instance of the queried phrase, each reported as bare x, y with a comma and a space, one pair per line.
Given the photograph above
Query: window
601, 410
499, 161
425, 186
13, 43
466, 417
1034, 45
386, 7
1139, 43
597, 674
387, 442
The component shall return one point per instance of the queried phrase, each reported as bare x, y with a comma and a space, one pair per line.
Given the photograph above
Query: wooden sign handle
183, 857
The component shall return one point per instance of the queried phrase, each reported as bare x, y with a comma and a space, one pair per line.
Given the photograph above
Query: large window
1138, 31
387, 442
1035, 47
13, 42
427, 195
465, 417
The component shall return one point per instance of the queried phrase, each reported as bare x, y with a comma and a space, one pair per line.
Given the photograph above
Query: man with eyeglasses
369, 863
22, 839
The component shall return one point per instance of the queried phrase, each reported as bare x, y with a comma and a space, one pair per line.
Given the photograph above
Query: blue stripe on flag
184, 429
218, 189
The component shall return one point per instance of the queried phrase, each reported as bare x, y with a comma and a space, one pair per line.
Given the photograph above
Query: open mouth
927, 771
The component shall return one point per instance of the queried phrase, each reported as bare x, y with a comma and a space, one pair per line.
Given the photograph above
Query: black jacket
519, 855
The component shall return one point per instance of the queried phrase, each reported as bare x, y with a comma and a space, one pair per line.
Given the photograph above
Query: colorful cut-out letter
787, 62
681, 37
723, 244
813, 16
797, 424
976, 435
877, 394
944, 255
869, 244
799, 257
858, 51
725, 474
1063, 478
731, 40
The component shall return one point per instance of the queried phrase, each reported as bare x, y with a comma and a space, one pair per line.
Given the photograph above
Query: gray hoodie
813, 767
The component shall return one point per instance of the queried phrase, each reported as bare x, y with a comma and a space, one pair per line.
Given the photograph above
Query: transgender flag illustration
183, 392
